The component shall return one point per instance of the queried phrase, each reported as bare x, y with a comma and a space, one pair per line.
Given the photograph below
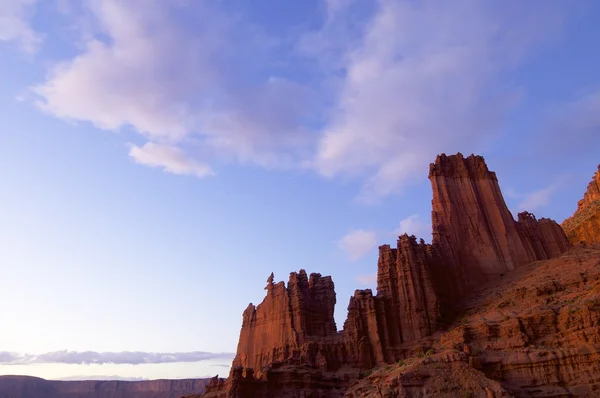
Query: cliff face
475, 240
472, 226
33, 387
583, 227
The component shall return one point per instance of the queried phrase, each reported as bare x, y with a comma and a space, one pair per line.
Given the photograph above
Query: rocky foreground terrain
33, 387
493, 307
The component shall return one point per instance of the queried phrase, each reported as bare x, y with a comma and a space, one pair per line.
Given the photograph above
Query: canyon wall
583, 227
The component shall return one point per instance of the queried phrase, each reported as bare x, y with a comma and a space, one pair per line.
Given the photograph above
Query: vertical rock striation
472, 226
406, 307
473, 229
583, 227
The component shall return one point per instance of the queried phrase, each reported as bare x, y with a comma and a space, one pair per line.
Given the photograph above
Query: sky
159, 160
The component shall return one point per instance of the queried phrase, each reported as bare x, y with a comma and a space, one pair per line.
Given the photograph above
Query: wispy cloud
542, 197
102, 377
423, 80
119, 358
357, 243
413, 225
366, 280
221, 365
14, 24
171, 159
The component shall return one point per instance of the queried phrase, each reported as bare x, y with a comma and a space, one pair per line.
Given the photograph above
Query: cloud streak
14, 24
357, 243
171, 159
118, 358
413, 225
420, 81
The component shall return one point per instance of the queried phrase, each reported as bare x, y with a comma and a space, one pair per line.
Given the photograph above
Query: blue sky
160, 159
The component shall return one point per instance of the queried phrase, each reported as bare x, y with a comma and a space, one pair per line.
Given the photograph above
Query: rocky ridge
289, 345
583, 227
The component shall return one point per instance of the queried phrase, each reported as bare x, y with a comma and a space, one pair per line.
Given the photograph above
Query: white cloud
119, 358
14, 24
413, 225
367, 280
534, 200
423, 80
357, 243
176, 82
171, 159
573, 127
387, 85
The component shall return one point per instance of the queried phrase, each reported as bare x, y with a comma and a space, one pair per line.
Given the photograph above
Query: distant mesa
35, 387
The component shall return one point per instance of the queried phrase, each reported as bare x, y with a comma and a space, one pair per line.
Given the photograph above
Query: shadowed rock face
33, 387
544, 238
583, 227
475, 240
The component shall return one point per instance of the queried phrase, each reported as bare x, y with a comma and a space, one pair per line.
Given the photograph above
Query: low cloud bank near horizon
118, 358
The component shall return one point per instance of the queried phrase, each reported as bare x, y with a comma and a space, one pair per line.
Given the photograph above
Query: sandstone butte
583, 227
493, 307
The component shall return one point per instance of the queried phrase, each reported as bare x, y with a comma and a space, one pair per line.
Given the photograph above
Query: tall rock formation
544, 238
475, 239
473, 229
406, 307
287, 321
583, 227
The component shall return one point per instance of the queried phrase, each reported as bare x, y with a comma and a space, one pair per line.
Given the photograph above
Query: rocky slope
583, 227
33, 387
289, 346
533, 333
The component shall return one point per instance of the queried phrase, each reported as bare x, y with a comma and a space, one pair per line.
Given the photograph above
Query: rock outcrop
543, 238
405, 309
472, 227
34, 387
291, 323
419, 287
583, 227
